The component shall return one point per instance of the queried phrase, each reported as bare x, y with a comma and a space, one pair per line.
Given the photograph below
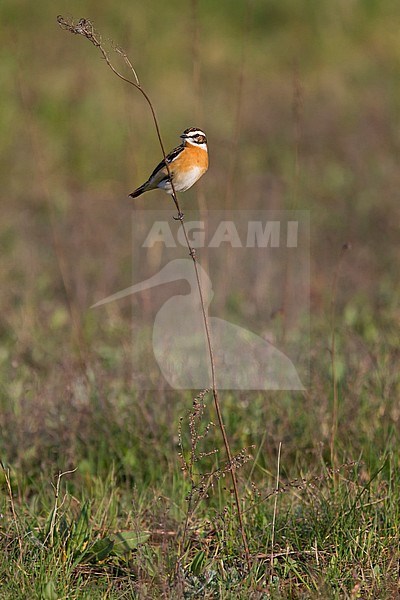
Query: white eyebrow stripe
196, 133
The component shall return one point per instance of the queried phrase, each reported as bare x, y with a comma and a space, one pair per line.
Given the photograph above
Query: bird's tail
139, 190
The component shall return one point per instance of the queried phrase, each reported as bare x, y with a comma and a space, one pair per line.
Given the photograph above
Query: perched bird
187, 163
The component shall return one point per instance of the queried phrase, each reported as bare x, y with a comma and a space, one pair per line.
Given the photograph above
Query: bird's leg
180, 214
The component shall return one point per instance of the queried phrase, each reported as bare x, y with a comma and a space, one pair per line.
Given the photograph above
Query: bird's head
195, 136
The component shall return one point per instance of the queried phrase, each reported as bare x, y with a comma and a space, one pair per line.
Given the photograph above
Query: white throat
196, 145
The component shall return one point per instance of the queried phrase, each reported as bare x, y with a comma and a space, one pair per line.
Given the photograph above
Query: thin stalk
57, 505
6, 473
85, 28
275, 510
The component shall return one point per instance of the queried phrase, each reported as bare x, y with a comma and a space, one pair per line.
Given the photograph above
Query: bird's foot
179, 217
192, 253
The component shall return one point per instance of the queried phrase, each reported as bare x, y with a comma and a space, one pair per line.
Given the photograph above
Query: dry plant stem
14, 514
85, 28
275, 510
197, 413
333, 356
56, 505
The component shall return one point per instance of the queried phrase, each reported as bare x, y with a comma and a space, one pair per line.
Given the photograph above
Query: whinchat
187, 163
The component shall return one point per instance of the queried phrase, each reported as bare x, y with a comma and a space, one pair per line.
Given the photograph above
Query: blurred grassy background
300, 102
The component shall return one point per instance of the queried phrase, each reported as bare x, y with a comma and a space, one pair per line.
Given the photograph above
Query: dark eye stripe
200, 139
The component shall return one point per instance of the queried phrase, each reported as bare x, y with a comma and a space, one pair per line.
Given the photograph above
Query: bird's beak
183, 136
164, 276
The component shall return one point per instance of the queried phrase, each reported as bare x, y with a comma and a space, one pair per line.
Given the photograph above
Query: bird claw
179, 217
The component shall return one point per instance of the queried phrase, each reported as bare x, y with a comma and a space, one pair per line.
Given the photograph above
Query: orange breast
188, 167
192, 157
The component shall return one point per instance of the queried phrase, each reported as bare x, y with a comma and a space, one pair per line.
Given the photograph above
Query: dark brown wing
171, 156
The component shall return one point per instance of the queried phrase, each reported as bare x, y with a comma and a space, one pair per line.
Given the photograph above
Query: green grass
73, 142
335, 533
